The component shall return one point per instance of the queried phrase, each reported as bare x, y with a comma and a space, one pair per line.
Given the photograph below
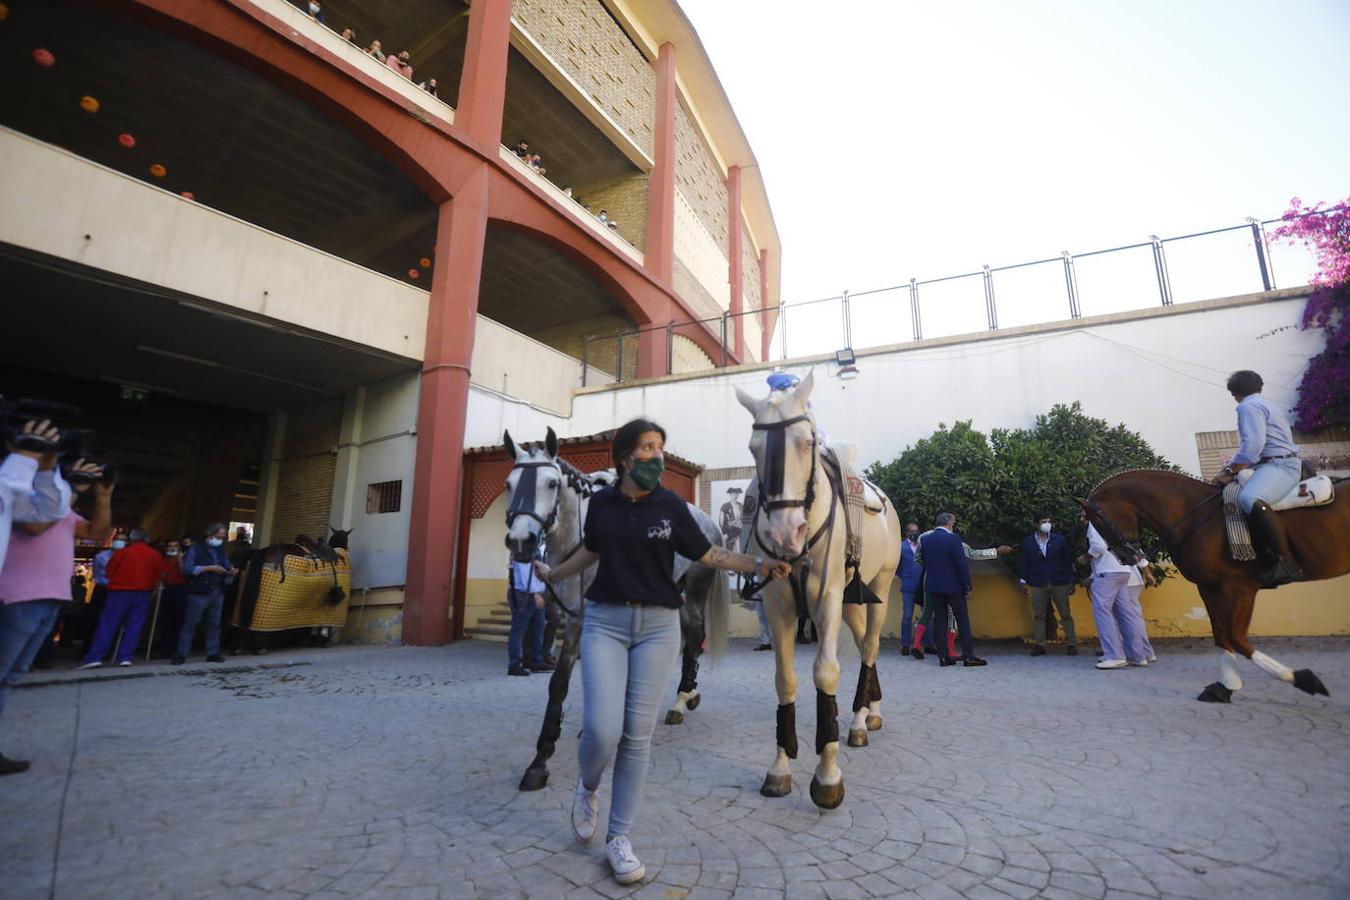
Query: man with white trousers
1115, 609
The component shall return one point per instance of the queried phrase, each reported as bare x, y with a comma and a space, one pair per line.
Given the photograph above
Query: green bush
997, 486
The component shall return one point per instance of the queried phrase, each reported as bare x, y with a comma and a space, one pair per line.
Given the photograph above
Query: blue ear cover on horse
782, 381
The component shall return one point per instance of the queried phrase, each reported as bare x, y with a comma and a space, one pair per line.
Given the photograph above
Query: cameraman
31, 490
35, 586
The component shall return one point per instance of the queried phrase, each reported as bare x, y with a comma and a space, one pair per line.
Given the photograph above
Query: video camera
71, 445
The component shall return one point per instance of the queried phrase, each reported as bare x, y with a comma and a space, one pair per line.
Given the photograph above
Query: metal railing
616, 354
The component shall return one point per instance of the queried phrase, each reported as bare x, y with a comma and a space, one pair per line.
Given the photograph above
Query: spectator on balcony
523, 150
604, 216
567, 191
316, 11
535, 161
400, 63
376, 50
349, 36
430, 87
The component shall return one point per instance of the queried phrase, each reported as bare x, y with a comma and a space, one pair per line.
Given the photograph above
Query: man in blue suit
947, 584
1046, 573
911, 576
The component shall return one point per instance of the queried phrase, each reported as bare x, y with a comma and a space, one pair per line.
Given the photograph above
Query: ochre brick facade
590, 46
699, 177
749, 271
308, 466
571, 339
692, 292
626, 202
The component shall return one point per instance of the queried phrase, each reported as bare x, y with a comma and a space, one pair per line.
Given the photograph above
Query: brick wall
308, 466
589, 45
570, 339
686, 356
749, 271
626, 201
692, 292
699, 177
1328, 450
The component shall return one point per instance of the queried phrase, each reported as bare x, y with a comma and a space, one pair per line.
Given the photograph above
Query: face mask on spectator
214, 542
1045, 528
118, 544
173, 552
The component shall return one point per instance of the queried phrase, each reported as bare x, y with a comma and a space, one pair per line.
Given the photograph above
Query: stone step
492, 633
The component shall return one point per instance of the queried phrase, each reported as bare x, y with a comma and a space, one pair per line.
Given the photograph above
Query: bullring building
280, 275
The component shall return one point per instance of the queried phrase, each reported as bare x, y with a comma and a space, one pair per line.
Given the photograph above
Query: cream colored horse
800, 518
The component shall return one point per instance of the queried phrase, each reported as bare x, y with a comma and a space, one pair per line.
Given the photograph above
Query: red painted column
765, 332
482, 87
659, 256
653, 340
441, 412
735, 268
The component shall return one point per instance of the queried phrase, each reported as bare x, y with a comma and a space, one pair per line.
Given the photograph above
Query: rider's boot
1271, 538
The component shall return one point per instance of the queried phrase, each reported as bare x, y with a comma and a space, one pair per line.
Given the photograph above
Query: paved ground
392, 773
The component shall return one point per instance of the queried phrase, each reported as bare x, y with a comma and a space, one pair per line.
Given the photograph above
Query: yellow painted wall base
375, 617
481, 596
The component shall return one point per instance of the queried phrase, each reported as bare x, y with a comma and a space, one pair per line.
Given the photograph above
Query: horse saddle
861, 498
1318, 490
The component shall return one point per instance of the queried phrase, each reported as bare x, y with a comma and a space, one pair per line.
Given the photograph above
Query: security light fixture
847, 362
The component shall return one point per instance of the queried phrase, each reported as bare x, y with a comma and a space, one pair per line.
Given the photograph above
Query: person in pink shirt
400, 63
35, 588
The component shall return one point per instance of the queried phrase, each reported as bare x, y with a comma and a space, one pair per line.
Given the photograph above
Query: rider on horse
1266, 446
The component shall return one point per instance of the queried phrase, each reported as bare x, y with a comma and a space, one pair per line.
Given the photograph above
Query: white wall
1159, 372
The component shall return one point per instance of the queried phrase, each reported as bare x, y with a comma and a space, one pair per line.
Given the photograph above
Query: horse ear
510, 445
551, 443
803, 392
748, 402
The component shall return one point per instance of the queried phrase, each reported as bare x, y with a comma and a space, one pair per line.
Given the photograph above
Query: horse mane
1148, 469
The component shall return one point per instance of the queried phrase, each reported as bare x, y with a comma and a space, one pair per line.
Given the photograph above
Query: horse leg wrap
558, 684
827, 720
864, 692
873, 685
786, 734
689, 675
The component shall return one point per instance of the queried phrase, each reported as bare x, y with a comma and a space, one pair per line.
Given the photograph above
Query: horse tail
717, 615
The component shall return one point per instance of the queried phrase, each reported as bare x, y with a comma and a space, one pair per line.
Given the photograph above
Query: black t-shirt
637, 541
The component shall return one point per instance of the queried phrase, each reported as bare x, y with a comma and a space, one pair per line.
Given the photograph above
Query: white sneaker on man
1112, 664
1142, 663
1153, 657
585, 812
124, 663
92, 665
627, 867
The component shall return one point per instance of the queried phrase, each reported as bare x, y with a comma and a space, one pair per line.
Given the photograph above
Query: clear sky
908, 139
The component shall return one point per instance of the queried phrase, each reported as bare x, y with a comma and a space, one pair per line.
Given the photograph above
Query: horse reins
522, 504
1116, 541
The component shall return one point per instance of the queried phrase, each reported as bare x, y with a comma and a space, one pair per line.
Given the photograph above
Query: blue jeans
907, 618
194, 606
527, 630
765, 636
1270, 482
628, 654
126, 610
23, 627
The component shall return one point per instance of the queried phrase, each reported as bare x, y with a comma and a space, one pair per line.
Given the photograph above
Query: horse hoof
534, 779
827, 796
691, 703
776, 785
674, 717
1215, 693
874, 723
1308, 683
857, 737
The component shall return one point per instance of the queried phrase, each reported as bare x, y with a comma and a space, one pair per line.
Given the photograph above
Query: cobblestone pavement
392, 772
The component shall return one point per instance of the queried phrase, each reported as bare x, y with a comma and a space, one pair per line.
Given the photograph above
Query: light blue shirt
1263, 430
524, 580
101, 566
27, 495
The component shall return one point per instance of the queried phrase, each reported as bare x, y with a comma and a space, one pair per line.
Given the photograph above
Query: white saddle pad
1315, 491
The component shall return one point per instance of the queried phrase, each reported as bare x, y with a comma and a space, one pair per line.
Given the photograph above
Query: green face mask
646, 473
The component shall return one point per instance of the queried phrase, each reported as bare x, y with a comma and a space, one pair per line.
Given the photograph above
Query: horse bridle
1128, 552
775, 459
522, 501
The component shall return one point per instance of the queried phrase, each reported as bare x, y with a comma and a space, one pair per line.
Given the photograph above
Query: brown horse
1187, 514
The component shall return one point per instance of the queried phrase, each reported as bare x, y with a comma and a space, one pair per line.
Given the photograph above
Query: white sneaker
124, 663
1153, 657
1112, 664
585, 812
1143, 663
627, 867
91, 665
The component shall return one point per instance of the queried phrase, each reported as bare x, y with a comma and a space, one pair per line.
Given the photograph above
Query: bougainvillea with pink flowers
1324, 392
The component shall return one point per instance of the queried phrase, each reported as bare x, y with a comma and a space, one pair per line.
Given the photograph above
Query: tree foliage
1324, 391
999, 485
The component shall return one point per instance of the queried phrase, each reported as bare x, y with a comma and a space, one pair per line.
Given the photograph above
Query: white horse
547, 498
800, 518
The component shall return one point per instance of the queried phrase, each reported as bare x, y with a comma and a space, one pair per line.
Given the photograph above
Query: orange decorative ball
158, 171
126, 140
413, 274
188, 195
426, 263
43, 57
89, 104
4, 12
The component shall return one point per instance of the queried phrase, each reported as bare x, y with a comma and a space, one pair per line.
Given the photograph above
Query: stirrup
1283, 572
